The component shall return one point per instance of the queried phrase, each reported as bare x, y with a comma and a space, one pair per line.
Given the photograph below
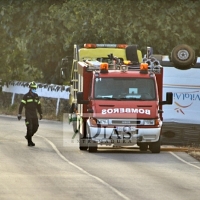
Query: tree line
36, 35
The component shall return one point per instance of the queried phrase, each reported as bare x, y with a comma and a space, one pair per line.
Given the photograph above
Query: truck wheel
82, 143
143, 146
183, 57
92, 148
155, 147
131, 54
83, 148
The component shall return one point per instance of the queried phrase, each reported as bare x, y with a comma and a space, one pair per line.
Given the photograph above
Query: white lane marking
82, 170
184, 160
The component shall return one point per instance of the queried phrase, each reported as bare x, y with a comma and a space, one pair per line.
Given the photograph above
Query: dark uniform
32, 104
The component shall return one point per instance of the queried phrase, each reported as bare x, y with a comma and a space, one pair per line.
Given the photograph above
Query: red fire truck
116, 96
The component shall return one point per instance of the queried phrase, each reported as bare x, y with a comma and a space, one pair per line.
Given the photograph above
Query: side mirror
169, 99
64, 62
63, 72
80, 98
64, 69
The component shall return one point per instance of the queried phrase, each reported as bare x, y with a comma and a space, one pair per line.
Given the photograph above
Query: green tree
37, 34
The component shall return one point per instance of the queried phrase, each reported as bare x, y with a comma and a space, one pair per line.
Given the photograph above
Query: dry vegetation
194, 152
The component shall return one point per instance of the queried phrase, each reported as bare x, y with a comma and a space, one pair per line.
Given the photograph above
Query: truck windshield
125, 88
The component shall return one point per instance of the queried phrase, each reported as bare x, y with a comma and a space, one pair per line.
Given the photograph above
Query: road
56, 169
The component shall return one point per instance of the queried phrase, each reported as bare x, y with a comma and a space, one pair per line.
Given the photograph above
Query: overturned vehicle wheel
183, 57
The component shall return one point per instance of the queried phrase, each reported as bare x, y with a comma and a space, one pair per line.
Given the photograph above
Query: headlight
102, 121
149, 122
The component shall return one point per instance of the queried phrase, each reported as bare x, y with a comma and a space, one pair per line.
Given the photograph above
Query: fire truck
116, 95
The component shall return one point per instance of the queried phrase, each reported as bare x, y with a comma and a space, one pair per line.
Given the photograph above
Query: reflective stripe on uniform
23, 101
29, 100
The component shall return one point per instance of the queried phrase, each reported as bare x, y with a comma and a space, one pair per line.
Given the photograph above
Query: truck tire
131, 54
83, 148
143, 146
92, 148
82, 145
183, 57
155, 147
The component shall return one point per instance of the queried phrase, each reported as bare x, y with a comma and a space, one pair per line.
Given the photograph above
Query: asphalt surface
56, 169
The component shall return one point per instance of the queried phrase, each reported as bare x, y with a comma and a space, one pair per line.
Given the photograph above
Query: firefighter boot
31, 144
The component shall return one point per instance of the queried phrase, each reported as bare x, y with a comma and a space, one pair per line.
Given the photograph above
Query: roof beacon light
104, 68
144, 68
90, 45
121, 46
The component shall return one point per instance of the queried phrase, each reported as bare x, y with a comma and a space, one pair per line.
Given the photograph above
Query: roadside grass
195, 154
192, 150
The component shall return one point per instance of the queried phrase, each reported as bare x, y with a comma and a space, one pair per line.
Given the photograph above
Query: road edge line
183, 160
82, 170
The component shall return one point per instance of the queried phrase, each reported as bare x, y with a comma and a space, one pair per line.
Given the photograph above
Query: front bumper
109, 136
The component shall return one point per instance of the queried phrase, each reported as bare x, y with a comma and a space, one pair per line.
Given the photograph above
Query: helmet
32, 85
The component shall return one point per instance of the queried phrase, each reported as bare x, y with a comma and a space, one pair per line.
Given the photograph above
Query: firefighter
32, 105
